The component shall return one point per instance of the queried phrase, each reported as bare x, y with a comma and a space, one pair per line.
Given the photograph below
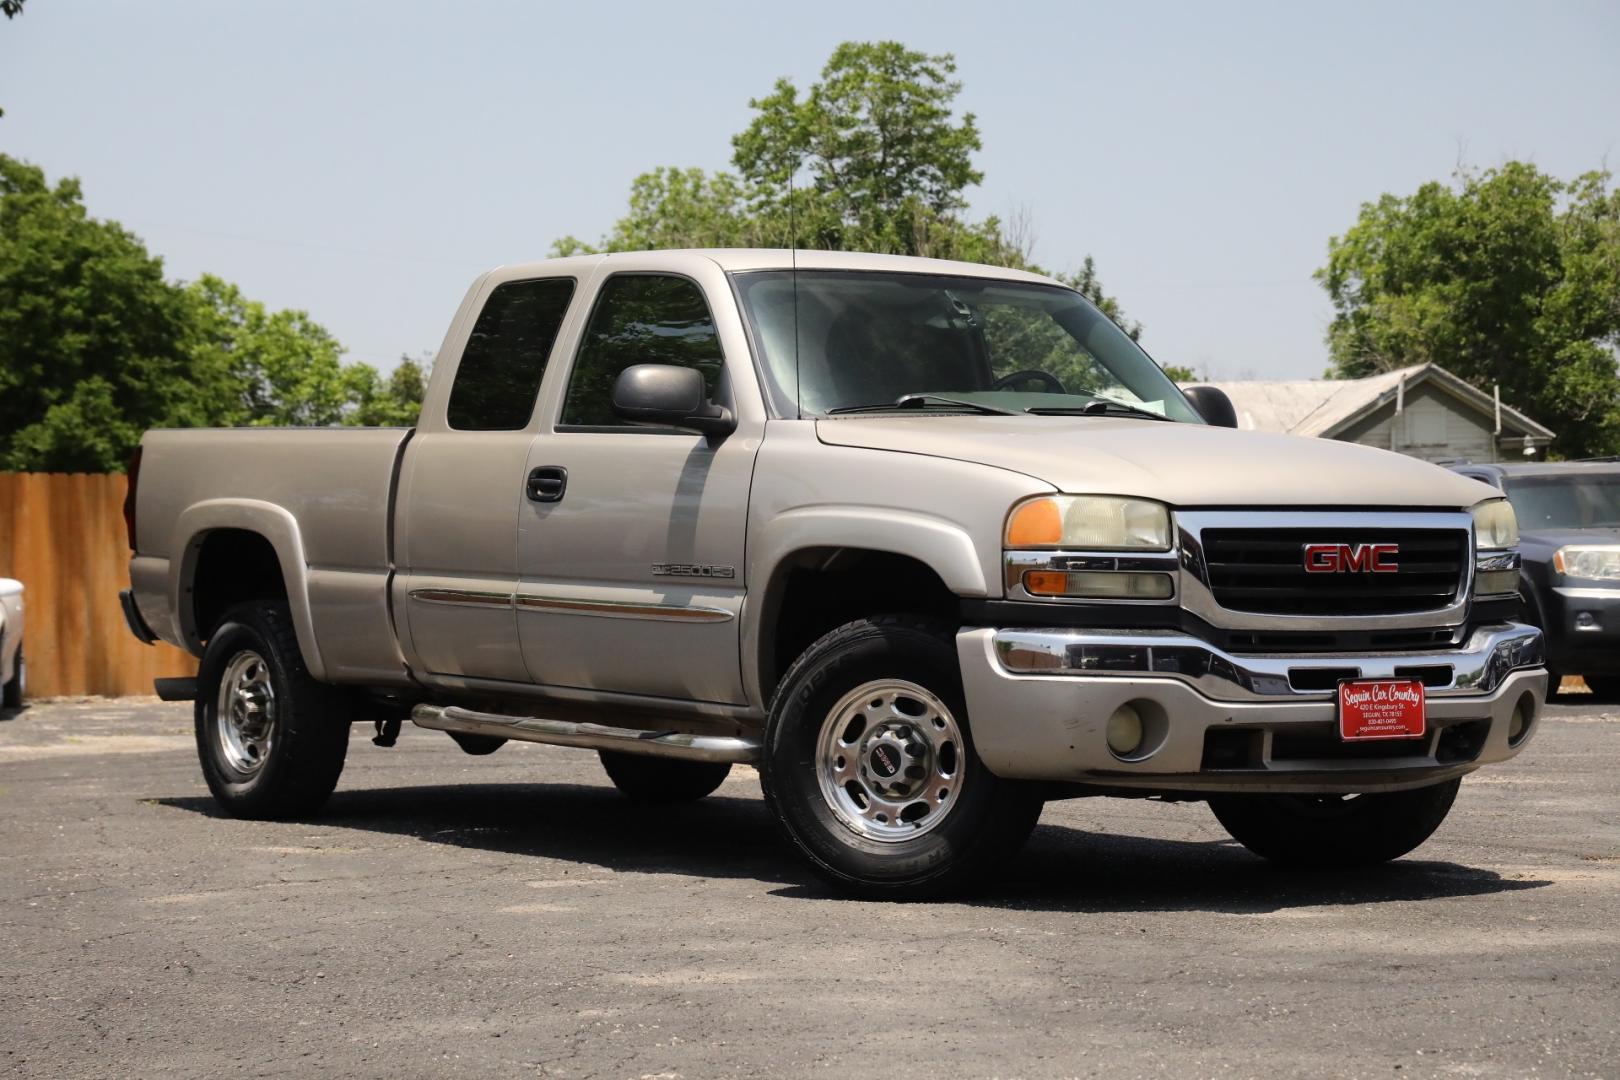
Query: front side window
841, 340
505, 358
640, 319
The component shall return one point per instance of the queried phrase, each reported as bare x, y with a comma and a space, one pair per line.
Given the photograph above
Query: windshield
1566, 502
866, 339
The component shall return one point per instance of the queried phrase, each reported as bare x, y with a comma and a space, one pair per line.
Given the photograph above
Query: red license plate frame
1374, 710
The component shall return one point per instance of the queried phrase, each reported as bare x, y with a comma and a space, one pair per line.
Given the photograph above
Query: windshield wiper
923, 401
1100, 407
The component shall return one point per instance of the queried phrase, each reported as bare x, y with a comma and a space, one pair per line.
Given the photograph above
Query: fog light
1517, 723
1125, 731
1496, 582
1587, 621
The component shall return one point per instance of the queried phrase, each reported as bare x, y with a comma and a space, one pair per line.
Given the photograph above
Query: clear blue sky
365, 161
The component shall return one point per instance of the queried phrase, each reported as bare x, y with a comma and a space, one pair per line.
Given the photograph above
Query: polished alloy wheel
246, 714
890, 760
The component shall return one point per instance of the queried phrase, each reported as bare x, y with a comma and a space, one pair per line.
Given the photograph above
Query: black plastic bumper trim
132, 617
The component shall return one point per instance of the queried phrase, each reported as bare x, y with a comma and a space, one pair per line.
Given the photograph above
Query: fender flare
278, 526
939, 543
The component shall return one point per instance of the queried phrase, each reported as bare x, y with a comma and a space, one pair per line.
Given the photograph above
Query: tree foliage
93, 340
96, 345
1507, 276
871, 157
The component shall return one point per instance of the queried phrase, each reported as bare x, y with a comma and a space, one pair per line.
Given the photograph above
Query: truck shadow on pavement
1061, 869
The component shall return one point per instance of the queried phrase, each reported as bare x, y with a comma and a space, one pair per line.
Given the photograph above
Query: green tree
93, 340
396, 402
1508, 276
278, 368
872, 157
96, 346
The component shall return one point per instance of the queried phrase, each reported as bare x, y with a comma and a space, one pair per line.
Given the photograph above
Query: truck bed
327, 490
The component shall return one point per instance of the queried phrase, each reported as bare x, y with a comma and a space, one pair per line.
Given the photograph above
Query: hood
1180, 464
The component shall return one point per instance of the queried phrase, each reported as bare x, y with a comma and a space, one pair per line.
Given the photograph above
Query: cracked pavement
512, 916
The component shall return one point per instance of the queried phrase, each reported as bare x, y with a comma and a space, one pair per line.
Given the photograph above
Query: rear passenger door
461, 485
632, 581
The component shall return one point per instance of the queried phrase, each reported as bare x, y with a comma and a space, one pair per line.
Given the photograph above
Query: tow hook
387, 732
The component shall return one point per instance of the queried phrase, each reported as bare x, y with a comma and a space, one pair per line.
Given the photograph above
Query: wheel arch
819, 568
234, 550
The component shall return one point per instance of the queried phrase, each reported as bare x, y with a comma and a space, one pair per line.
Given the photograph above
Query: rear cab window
499, 376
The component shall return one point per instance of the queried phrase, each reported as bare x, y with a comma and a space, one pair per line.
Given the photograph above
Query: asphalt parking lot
511, 915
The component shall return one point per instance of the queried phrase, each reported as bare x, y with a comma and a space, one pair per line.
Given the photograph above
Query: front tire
270, 738
869, 766
1335, 830
660, 780
16, 688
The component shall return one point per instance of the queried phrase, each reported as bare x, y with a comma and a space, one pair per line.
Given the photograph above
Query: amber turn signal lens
1099, 585
1046, 583
1037, 523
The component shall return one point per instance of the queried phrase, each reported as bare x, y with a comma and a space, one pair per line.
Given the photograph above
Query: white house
1425, 411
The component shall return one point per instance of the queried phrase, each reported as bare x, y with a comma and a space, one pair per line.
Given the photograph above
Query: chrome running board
665, 744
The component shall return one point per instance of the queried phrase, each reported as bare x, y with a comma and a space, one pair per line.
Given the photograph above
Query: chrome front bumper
1477, 667
1039, 702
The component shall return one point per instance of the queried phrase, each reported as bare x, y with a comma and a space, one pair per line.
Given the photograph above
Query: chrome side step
667, 744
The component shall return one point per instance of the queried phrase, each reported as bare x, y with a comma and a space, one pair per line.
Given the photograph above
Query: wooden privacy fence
62, 536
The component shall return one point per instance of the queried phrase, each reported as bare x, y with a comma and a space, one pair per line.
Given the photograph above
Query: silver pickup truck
928, 543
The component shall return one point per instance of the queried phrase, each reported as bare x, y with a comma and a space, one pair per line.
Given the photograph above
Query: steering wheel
1051, 381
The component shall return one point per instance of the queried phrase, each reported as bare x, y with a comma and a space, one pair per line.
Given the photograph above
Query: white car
13, 672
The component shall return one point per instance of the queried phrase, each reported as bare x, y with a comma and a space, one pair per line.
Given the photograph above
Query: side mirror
1213, 405
672, 395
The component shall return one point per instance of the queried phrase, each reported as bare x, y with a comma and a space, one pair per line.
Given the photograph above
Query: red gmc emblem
1351, 558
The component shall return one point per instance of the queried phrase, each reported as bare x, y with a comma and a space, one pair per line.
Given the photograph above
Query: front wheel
869, 767
16, 688
271, 739
1335, 830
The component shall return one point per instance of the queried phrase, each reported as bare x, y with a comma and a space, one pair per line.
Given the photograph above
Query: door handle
547, 483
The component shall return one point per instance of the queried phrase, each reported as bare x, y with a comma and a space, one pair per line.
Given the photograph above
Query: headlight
1089, 523
1590, 561
1496, 526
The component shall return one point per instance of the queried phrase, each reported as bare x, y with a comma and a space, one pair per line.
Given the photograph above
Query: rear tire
270, 738
16, 688
661, 780
869, 766
1335, 830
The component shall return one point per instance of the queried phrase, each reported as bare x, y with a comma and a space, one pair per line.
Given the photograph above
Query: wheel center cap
885, 760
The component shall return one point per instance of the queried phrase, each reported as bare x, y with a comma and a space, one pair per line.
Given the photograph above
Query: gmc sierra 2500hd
927, 542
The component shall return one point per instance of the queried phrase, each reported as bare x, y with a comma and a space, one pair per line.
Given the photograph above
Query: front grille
1263, 571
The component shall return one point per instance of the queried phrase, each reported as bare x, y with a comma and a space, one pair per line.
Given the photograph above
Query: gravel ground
511, 915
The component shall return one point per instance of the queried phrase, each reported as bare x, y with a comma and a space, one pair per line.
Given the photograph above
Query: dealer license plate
1381, 709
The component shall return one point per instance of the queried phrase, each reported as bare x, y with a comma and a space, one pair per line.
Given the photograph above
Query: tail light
129, 496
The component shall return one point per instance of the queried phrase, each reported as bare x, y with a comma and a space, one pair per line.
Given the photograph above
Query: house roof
1325, 407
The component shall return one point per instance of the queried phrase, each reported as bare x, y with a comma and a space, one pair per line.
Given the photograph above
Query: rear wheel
1335, 830
661, 780
16, 688
270, 738
869, 765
